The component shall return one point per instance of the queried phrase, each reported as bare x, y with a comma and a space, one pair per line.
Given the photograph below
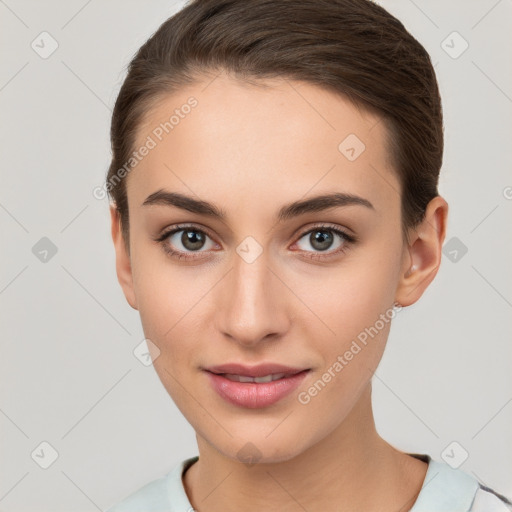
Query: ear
123, 263
422, 253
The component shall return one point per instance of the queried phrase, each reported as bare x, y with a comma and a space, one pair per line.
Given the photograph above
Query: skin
250, 150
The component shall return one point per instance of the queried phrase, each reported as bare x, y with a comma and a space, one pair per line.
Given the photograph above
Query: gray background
69, 376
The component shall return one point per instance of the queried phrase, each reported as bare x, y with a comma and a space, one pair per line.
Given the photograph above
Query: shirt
444, 489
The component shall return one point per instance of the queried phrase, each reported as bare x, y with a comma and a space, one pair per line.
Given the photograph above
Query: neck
352, 468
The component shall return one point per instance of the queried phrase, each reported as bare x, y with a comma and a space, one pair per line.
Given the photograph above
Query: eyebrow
313, 204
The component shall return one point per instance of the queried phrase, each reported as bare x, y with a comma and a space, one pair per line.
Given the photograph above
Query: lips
260, 370
243, 378
257, 386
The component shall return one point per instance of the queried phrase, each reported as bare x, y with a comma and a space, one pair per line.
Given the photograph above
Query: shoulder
446, 489
488, 500
159, 495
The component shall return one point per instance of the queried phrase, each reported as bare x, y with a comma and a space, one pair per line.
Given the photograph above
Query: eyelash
348, 241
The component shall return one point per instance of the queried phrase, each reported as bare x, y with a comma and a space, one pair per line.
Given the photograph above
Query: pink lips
254, 395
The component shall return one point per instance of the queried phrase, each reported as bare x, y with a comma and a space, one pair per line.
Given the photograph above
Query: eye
181, 242
325, 237
187, 240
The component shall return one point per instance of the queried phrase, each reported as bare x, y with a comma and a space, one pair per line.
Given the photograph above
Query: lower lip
255, 395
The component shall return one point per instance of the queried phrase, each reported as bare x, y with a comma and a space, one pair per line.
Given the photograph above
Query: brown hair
351, 47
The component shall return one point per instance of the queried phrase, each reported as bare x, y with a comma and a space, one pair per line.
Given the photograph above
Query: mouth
266, 370
255, 387
244, 378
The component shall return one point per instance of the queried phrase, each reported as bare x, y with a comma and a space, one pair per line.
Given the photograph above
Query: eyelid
347, 233
183, 227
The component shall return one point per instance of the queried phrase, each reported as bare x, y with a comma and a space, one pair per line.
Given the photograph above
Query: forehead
247, 145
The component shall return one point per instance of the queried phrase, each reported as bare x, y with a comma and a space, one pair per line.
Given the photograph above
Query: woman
275, 205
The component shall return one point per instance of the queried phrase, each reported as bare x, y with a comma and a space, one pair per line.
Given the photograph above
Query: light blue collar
444, 489
178, 498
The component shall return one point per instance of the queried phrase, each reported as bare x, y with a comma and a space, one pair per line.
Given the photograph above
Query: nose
253, 304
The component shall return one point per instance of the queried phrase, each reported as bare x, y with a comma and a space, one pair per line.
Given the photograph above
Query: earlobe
123, 262
424, 252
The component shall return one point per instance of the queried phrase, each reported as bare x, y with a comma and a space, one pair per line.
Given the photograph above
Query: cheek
355, 305
349, 299
166, 294
171, 306
157, 302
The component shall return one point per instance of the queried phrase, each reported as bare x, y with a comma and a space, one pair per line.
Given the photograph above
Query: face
300, 289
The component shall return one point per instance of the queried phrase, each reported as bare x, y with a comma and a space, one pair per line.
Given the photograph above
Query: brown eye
187, 239
325, 239
192, 240
182, 242
320, 239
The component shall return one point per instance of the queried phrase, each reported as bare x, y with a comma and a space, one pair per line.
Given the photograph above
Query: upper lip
259, 370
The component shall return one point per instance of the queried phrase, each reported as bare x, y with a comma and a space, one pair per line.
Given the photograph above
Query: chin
259, 449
